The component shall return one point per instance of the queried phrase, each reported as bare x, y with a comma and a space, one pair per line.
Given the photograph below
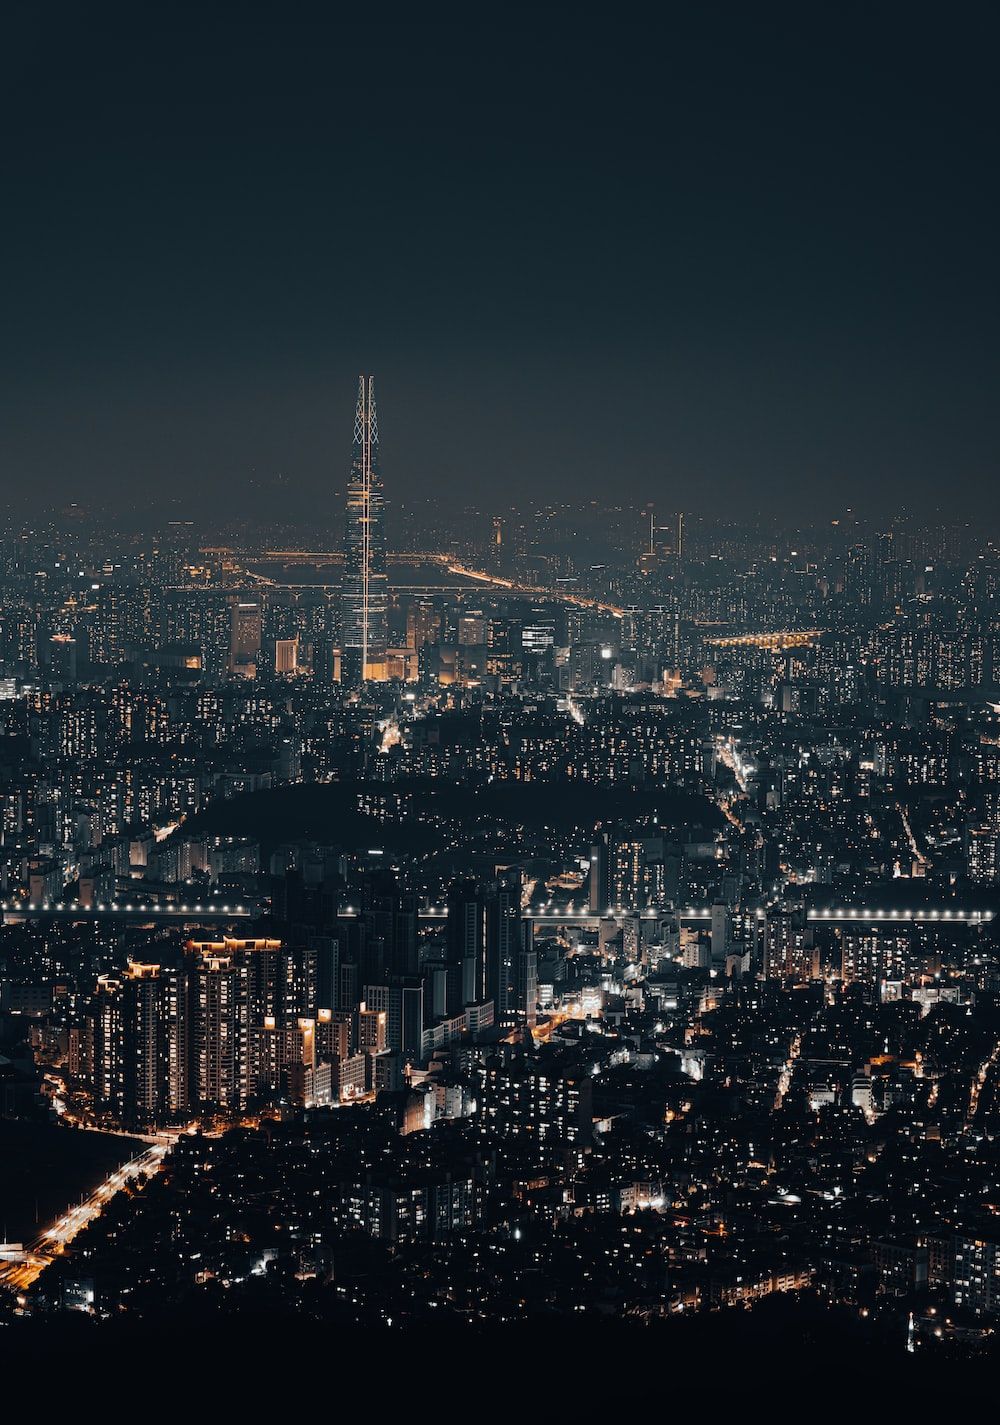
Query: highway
18, 1276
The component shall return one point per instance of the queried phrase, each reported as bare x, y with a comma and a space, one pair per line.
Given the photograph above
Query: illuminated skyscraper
221, 1060
246, 632
511, 961
365, 588
142, 1040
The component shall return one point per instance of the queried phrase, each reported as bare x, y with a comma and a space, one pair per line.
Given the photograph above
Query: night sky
723, 257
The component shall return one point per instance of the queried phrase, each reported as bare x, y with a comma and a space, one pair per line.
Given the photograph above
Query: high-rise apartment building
465, 933
511, 963
221, 1032
143, 1044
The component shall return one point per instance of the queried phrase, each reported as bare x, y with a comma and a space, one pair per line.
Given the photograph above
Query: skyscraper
364, 599
142, 1042
466, 941
511, 963
246, 632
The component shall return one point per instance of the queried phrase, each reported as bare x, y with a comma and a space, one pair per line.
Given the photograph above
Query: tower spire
365, 414
359, 414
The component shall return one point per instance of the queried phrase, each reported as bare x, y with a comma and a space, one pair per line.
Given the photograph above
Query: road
18, 1276
918, 855
787, 1070
984, 1081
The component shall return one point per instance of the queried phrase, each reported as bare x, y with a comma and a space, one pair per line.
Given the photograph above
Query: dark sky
720, 256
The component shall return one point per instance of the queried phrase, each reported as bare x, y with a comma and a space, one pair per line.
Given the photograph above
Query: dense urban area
501, 915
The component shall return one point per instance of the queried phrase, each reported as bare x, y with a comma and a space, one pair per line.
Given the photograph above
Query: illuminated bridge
827, 915
789, 638
490, 582
15, 911
336, 556
920, 915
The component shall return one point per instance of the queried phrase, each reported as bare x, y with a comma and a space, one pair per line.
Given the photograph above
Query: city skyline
500, 708
609, 954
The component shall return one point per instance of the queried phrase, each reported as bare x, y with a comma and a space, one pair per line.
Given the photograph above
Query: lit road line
979, 1082
53, 1241
914, 848
787, 1069
730, 758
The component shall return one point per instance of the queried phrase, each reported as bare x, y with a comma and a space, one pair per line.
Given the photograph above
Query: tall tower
364, 601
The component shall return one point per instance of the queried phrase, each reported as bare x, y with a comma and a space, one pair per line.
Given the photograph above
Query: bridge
336, 556
14, 912
920, 915
785, 638
829, 915
486, 579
